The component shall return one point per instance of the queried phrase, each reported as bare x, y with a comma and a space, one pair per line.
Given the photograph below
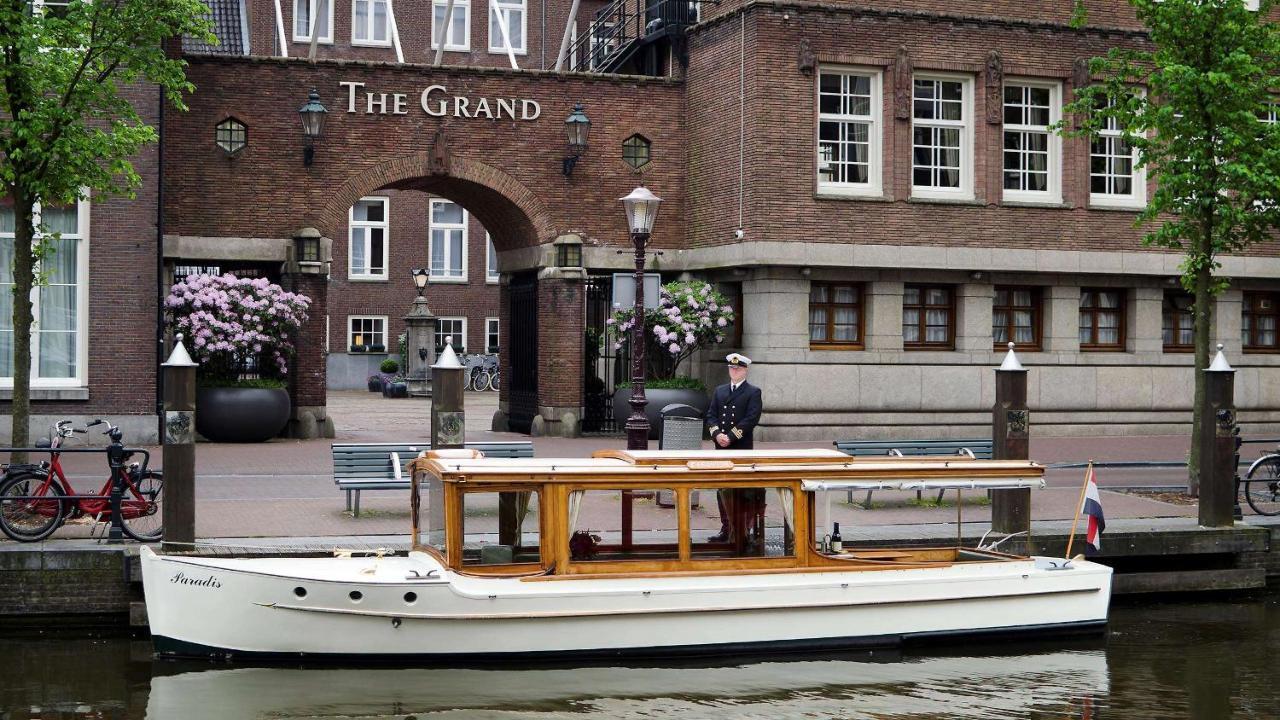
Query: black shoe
722, 536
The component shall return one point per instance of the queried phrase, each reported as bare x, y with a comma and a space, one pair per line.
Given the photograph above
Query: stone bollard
1218, 445
448, 420
1010, 440
179, 455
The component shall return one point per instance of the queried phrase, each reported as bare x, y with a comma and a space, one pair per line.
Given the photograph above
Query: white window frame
496, 46
491, 276
385, 225
875, 134
369, 41
80, 379
431, 227
305, 37
492, 326
1137, 197
458, 5
1272, 114
376, 318
458, 343
1052, 195
965, 125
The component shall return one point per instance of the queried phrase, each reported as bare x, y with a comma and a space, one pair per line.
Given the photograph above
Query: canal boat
628, 554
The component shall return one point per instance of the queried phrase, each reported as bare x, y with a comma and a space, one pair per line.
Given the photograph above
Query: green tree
1193, 103
67, 126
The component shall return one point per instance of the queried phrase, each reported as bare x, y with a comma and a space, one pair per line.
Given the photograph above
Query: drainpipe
160, 272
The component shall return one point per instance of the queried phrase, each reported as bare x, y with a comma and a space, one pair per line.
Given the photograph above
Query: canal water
1158, 660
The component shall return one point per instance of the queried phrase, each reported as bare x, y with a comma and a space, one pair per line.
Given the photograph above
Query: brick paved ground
285, 488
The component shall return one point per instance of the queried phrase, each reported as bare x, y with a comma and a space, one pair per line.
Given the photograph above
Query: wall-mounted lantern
568, 251
312, 114
577, 126
306, 250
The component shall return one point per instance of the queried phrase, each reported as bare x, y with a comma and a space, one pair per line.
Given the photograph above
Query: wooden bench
380, 466
978, 448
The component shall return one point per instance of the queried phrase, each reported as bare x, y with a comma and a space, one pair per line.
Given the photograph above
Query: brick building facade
876, 181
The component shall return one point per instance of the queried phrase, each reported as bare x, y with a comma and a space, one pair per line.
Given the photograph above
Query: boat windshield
433, 532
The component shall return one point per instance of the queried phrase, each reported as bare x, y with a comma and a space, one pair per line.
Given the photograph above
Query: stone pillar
1010, 440
1228, 309
974, 302
883, 324
561, 326
179, 454
1146, 333
448, 417
1217, 445
307, 375
1062, 319
420, 345
775, 315
500, 416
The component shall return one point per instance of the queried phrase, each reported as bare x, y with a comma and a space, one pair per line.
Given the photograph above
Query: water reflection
1204, 660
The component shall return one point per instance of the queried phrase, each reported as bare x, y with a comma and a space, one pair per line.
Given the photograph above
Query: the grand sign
437, 102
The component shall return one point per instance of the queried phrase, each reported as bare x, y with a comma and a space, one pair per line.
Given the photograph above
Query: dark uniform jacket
735, 414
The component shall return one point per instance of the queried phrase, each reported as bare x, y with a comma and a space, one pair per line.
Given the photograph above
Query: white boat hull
360, 608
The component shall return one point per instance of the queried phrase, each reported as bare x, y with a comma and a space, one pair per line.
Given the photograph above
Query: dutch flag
1093, 511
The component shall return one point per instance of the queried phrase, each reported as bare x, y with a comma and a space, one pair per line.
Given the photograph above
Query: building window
302, 14
928, 317
1101, 319
849, 132
1271, 115
1258, 323
1015, 316
459, 37
1115, 180
604, 42
491, 274
369, 22
1179, 321
455, 328
835, 316
1031, 151
368, 248
942, 137
512, 14
448, 241
231, 135
59, 348
50, 8
635, 151
491, 336
367, 333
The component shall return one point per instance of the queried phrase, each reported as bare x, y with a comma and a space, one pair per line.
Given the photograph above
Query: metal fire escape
635, 37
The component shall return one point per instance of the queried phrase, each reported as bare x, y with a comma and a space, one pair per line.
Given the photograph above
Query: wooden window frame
873, 121
923, 307
1053, 192
965, 127
1121, 328
1168, 308
1249, 345
1037, 318
859, 304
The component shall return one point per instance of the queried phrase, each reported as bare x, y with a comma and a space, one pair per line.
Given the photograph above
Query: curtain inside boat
788, 507
522, 511
575, 504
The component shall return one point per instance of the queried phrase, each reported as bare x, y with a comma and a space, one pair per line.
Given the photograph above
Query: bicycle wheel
482, 381
141, 514
30, 520
494, 380
1262, 487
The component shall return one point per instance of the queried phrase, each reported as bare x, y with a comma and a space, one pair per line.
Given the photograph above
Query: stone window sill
70, 393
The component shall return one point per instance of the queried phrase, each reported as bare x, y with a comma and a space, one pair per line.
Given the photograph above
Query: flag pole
1084, 487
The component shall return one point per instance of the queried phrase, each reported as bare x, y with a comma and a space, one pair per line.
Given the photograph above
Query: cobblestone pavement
285, 488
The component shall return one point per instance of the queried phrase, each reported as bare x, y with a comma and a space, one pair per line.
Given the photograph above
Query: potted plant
690, 316
241, 332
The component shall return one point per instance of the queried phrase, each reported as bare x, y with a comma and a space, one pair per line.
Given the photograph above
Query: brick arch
510, 211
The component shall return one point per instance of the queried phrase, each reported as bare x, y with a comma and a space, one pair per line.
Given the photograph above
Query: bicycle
36, 499
1262, 484
488, 377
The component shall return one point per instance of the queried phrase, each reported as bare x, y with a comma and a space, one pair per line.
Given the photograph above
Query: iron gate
523, 393
602, 364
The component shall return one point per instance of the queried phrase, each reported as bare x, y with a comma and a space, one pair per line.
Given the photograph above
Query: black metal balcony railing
618, 28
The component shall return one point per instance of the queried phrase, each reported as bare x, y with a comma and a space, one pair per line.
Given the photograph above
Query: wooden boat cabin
627, 512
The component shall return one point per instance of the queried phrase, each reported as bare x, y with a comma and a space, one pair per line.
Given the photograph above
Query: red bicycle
36, 499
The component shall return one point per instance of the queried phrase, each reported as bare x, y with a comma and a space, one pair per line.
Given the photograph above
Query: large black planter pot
658, 398
241, 414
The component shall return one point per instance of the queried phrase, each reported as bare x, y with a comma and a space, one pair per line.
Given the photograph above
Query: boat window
500, 528
623, 525
433, 523
742, 522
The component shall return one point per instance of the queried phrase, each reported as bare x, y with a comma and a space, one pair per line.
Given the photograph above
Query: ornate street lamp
312, 114
576, 126
420, 276
642, 209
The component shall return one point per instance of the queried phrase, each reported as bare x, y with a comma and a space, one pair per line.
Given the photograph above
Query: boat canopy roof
817, 469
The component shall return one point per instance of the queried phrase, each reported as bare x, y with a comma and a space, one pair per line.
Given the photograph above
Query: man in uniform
733, 415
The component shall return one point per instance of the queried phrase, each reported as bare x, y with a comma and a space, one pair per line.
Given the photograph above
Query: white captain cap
737, 360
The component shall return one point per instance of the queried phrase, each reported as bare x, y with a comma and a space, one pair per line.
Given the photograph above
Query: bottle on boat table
837, 545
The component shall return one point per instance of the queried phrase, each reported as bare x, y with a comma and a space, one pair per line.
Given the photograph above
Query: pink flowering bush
691, 315
236, 325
